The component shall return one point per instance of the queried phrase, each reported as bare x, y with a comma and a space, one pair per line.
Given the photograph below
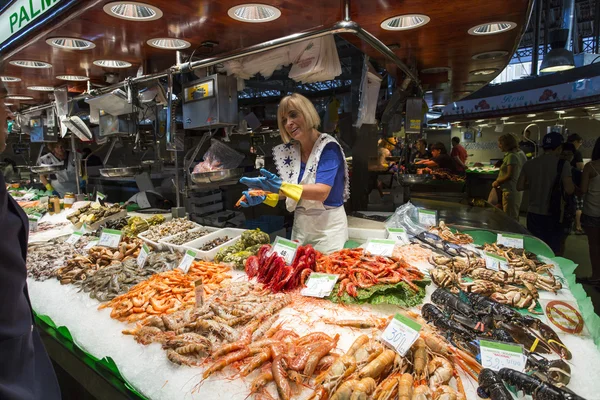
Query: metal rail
344, 26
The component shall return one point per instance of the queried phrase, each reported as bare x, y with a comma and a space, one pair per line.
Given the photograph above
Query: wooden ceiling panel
443, 42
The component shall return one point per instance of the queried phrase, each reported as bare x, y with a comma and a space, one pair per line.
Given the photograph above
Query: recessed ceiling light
70, 43
438, 105
405, 22
169, 43
435, 70
561, 112
492, 28
112, 63
531, 115
133, 11
30, 64
485, 71
41, 88
428, 91
476, 83
72, 78
480, 120
18, 97
10, 79
254, 13
490, 55
504, 118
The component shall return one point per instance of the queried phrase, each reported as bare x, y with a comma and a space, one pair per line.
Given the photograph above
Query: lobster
536, 387
490, 385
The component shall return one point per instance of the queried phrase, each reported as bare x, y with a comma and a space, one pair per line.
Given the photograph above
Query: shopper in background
590, 219
459, 154
25, 369
422, 153
440, 158
546, 177
577, 164
527, 145
509, 175
569, 203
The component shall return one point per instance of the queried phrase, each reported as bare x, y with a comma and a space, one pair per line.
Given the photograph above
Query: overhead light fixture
484, 125
8, 104
476, 83
561, 112
509, 123
557, 60
531, 115
70, 43
492, 28
405, 22
490, 55
30, 64
479, 120
254, 13
591, 107
10, 79
72, 78
570, 117
133, 11
435, 70
428, 91
41, 88
438, 105
18, 97
504, 118
538, 120
485, 71
112, 63
169, 43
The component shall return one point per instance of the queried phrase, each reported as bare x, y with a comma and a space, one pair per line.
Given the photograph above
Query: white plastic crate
234, 235
180, 247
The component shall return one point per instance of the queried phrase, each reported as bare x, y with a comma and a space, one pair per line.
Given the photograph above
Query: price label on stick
187, 260
74, 238
100, 196
495, 262
91, 244
199, 293
398, 234
427, 217
141, 259
401, 333
380, 247
319, 285
510, 240
496, 355
286, 249
110, 238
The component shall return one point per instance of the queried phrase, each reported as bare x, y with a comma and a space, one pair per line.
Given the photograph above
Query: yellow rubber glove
271, 199
291, 190
49, 187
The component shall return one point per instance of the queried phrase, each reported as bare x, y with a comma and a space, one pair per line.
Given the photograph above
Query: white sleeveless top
591, 201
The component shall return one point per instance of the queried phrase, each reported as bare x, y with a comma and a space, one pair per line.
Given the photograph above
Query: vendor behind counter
440, 159
61, 181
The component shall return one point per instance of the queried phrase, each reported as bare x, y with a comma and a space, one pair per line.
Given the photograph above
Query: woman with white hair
312, 176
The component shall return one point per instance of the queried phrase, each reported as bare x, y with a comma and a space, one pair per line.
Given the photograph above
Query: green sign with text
20, 14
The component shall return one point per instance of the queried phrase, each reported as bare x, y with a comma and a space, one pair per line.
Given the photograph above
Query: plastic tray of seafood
155, 234
232, 235
176, 242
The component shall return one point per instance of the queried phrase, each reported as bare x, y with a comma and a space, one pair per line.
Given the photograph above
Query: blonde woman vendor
313, 177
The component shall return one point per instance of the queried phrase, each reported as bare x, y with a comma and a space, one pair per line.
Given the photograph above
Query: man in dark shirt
421, 151
577, 168
527, 145
441, 158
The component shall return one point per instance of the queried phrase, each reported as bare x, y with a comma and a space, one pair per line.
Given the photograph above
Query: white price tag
398, 234
427, 217
319, 285
380, 247
496, 355
36, 216
110, 238
495, 262
187, 260
510, 240
74, 238
286, 249
141, 259
91, 244
401, 333
33, 224
100, 196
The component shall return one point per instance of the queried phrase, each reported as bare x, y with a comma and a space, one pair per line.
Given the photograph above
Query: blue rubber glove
268, 182
270, 199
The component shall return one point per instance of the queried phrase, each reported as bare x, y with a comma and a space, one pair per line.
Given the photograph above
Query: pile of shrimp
371, 370
413, 254
167, 292
282, 357
234, 316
